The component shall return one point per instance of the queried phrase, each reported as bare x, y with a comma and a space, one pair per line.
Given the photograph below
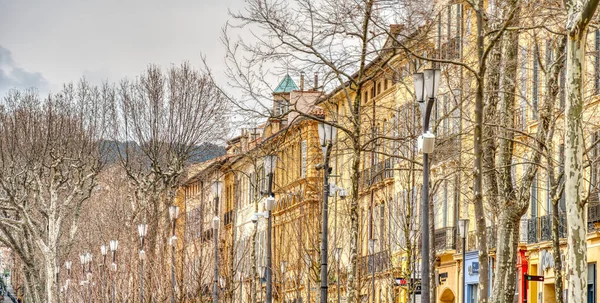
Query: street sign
534, 278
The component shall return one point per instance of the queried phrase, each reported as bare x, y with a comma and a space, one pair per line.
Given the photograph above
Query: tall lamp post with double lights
88, 261
173, 214
114, 244
463, 229
270, 163
68, 265
216, 222
142, 231
216, 188
104, 252
327, 135
426, 87
82, 259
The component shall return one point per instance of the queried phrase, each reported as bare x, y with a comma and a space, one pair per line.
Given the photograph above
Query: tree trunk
352, 296
558, 268
480, 222
506, 256
576, 273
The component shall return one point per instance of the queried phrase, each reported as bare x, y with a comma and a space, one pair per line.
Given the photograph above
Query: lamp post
114, 244
269, 162
327, 135
216, 188
57, 269
68, 265
82, 261
142, 231
173, 214
104, 252
463, 229
88, 261
216, 222
426, 86
337, 254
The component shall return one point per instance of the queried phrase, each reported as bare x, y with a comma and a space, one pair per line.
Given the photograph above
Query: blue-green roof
286, 85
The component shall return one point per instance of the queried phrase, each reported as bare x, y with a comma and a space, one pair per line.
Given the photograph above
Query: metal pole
269, 297
173, 263
104, 279
141, 280
464, 277
338, 281
308, 281
373, 274
324, 226
425, 214
57, 287
216, 267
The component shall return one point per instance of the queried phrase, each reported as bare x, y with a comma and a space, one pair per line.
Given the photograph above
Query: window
535, 84
561, 91
534, 198
472, 293
597, 62
561, 163
523, 73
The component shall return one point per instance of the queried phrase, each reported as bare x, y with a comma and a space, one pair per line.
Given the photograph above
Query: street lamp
216, 222
104, 252
327, 135
337, 254
68, 265
269, 162
82, 261
114, 244
463, 229
58, 289
173, 214
142, 231
426, 87
88, 261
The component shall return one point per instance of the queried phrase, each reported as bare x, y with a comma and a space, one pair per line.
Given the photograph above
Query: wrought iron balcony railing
540, 228
445, 238
379, 262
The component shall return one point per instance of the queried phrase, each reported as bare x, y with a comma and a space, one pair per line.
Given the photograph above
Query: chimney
301, 81
316, 81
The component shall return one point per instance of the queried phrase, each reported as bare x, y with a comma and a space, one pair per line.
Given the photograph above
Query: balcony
379, 262
491, 239
593, 218
540, 229
519, 119
228, 217
378, 172
446, 148
445, 238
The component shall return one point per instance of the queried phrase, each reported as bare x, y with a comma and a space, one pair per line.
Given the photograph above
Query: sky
45, 43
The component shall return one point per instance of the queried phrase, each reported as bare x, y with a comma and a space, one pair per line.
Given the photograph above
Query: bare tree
51, 153
160, 120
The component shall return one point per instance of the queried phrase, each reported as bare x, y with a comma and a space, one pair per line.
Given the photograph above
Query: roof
286, 85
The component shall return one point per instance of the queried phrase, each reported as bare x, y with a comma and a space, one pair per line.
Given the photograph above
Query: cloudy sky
46, 43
